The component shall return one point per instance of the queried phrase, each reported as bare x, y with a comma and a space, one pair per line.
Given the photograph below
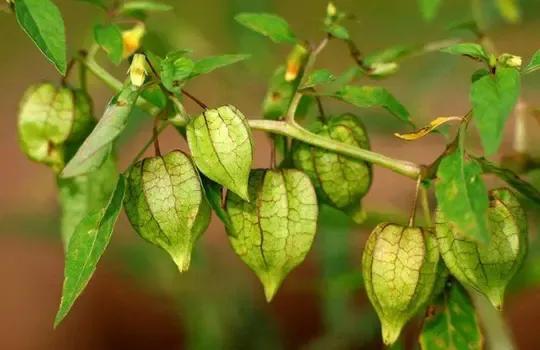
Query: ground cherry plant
475, 243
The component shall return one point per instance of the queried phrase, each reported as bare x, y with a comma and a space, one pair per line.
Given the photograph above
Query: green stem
295, 131
285, 128
102, 74
155, 134
425, 206
412, 217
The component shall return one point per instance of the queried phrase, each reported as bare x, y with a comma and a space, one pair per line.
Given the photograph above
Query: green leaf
338, 31
509, 9
175, 70
493, 98
165, 204
82, 195
155, 96
213, 192
208, 64
454, 326
86, 247
462, 196
534, 63
221, 144
319, 77
472, 50
270, 25
109, 37
85, 194
144, 6
43, 23
155, 60
274, 231
279, 95
520, 185
98, 144
429, 8
372, 96
389, 55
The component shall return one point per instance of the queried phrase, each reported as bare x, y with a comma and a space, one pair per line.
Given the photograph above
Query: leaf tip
242, 192
60, 315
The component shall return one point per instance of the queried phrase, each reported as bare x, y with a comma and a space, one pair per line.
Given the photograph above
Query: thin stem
273, 154
155, 134
520, 128
415, 201
69, 69
101, 73
149, 142
83, 72
295, 131
322, 115
194, 99
357, 55
425, 206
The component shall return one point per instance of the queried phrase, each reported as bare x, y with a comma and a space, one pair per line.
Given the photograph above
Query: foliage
271, 215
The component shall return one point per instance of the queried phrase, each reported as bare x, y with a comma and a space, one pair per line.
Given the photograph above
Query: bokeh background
137, 300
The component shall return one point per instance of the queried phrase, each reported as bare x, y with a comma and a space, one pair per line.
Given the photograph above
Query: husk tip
271, 286
390, 333
182, 261
496, 298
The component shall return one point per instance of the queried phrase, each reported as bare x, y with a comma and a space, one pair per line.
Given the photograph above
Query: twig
83, 71
322, 115
194, 99
69, 68
149, 142
155, 135
415, 201
425, 206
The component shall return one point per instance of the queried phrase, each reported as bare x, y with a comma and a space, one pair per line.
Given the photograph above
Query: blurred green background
137, 299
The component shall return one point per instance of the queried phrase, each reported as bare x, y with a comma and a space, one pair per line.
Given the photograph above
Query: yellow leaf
434, 124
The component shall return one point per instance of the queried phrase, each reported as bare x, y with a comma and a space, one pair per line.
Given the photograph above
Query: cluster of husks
272, 213
403, 270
